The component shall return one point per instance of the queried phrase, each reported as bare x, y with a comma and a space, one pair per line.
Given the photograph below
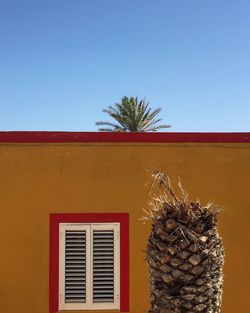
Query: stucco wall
39, 179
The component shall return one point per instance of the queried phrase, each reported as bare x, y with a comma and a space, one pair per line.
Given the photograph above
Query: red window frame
56, 219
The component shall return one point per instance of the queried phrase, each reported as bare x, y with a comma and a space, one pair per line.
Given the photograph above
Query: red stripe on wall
55, 219
124, 264
81, 137
54, 264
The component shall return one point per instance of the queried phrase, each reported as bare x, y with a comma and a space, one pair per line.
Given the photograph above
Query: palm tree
185, 252
132, 115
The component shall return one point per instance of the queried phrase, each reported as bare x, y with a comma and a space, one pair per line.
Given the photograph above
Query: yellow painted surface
36, 180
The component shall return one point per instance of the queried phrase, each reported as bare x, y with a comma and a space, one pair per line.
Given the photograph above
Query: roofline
120, 137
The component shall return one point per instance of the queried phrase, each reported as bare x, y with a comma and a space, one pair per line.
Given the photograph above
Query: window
89, 262
89, 265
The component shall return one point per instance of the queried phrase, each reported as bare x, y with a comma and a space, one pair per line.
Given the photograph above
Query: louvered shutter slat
75, 270
103, 266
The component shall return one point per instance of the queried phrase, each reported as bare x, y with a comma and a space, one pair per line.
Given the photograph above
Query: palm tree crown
132, 115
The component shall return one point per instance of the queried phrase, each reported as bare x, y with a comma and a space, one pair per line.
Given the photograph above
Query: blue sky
63, 61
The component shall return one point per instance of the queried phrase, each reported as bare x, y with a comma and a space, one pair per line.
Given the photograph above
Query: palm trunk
185, 255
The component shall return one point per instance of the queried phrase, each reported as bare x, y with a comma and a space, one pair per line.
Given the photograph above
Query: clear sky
63, 61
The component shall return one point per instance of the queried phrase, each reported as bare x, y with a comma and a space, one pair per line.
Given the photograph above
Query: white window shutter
89, 266
106, 266
74, 263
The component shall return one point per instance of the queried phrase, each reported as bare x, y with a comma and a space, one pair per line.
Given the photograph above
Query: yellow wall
37, 180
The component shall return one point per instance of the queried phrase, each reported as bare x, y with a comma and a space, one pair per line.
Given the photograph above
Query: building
70, 209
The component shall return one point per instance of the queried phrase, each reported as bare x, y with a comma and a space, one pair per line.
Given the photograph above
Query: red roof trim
91, 137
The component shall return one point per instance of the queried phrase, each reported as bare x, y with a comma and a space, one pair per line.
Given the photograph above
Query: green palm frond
153, 129
132, 115
101, 123
105, 129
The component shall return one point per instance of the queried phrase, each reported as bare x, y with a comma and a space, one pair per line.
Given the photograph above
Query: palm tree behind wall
132, 115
